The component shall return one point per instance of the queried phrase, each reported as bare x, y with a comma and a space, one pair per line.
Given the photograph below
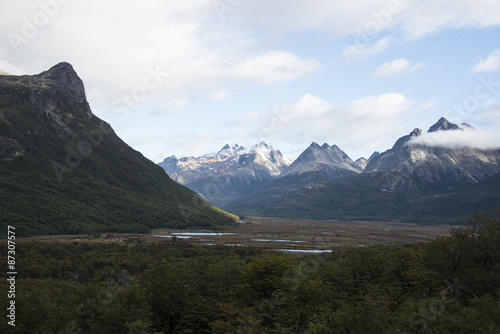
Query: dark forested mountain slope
63, 170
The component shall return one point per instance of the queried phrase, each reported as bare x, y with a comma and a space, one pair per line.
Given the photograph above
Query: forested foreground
449, 285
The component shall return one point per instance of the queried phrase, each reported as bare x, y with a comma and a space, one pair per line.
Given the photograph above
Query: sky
185, 77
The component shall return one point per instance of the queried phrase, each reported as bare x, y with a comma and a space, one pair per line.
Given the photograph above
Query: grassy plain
279, 233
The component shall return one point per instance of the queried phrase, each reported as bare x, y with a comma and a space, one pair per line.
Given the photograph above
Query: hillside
63, 170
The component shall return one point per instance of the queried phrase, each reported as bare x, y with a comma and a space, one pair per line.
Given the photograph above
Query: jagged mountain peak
315, 149
262, 149
374, 154
62, 77
266, 152
65, 78
61, 69
443, 125
232, 150
403, 140
424, 167
313, 145
361, 162
325, 158
231, 173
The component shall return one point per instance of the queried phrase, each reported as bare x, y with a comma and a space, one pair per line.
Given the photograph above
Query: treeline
448, 285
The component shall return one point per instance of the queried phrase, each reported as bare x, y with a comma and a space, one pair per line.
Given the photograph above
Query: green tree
170, 289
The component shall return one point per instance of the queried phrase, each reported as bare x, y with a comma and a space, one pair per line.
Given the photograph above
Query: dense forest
448, 285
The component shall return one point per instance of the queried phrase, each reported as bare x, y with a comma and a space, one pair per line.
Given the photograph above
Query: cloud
369, 48
272, 67
486, 116
413, 19
244, 120
9, 68
356, 126
221, 94
112, 46
398, 66
421, 18
469, 138
490, 64
207, 58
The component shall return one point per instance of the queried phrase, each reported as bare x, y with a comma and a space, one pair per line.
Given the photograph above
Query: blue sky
185, 77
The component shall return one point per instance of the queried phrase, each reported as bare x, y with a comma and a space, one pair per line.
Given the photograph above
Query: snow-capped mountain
229, 174
190, 169
411, 165
423, 177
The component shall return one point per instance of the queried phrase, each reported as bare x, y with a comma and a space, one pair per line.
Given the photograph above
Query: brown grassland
279, 233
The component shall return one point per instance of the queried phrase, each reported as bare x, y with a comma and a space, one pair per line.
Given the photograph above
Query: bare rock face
361, 163
64, 77
10, 149
410, 167
58, 93
330, 160
231, 173
444, 125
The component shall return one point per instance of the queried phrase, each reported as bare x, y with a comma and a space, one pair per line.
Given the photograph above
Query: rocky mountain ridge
415, 167
403, 183
229, 174
330, 160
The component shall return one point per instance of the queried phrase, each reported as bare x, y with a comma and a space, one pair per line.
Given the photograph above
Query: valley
292, 235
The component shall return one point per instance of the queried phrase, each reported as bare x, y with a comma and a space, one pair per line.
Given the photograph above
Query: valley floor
294, 235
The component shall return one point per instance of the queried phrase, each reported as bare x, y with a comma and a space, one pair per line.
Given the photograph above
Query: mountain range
231, 173
412, 181
64, 170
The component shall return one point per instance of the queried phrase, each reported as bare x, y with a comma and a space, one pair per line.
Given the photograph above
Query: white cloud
357, 126
221, 94
257, 43
421, 18
273, 66
9, 68
381, 106
487, 116
369, 48
413, 18
111, 45
250, 118
490, 64
457, 139
398, 66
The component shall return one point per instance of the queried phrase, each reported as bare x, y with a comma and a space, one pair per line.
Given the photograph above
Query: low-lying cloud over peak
457, 139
